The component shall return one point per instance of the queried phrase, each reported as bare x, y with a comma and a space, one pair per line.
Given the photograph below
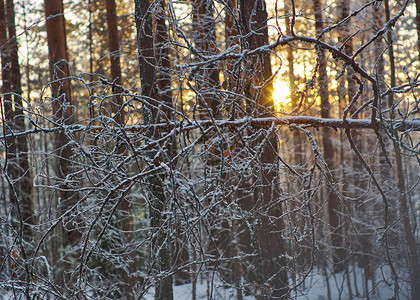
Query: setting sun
281, 94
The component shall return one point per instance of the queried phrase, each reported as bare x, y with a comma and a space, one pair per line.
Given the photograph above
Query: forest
210, 149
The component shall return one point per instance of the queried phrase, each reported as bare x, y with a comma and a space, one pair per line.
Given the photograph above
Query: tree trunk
180, 249
418, 27
334, 205
346, 39
235, 105
164, 62
231, 31
17, 150
130, 278
354, 184
345, 33
63, 113
385, 169
17, 159
297, 135
271, 275
160, 239
114, 49
62, 106
413, 255
205, 40
367, 259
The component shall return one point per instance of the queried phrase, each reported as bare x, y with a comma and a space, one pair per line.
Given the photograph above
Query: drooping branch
399, 125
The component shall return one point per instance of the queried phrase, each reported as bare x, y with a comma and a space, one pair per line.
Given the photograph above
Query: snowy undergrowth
314, 287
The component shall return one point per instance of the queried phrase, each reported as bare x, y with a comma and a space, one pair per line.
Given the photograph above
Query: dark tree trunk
207, 85
63, 113
297, 135
17, 150
180, 249
413, 254
231, 31
160, 239
231, 71
353, 180
19, 175
62, 107
270, 274
208, 82
334, 206
333, 201
345, 37
297, 156
114, 49
164, 62
163, 76
130, 278
385, 170
231, 242
367, 259
418, 26
90, 41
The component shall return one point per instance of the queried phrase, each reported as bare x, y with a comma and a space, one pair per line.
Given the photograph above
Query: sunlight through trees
239, 149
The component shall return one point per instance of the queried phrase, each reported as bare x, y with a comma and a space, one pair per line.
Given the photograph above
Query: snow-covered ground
314, 287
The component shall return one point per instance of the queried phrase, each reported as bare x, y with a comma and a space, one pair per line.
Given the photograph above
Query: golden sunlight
281, 93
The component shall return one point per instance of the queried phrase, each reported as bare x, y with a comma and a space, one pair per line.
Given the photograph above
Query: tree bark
117, 108
353, 180
347, 41
205, 40
160, 239
418, 27
231, 31
413, 255
63, 113
180, 249
367, 259
17, 158
409, 233
297, 135
271, 275
385, 170
114, 49
334, 205
164, 62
